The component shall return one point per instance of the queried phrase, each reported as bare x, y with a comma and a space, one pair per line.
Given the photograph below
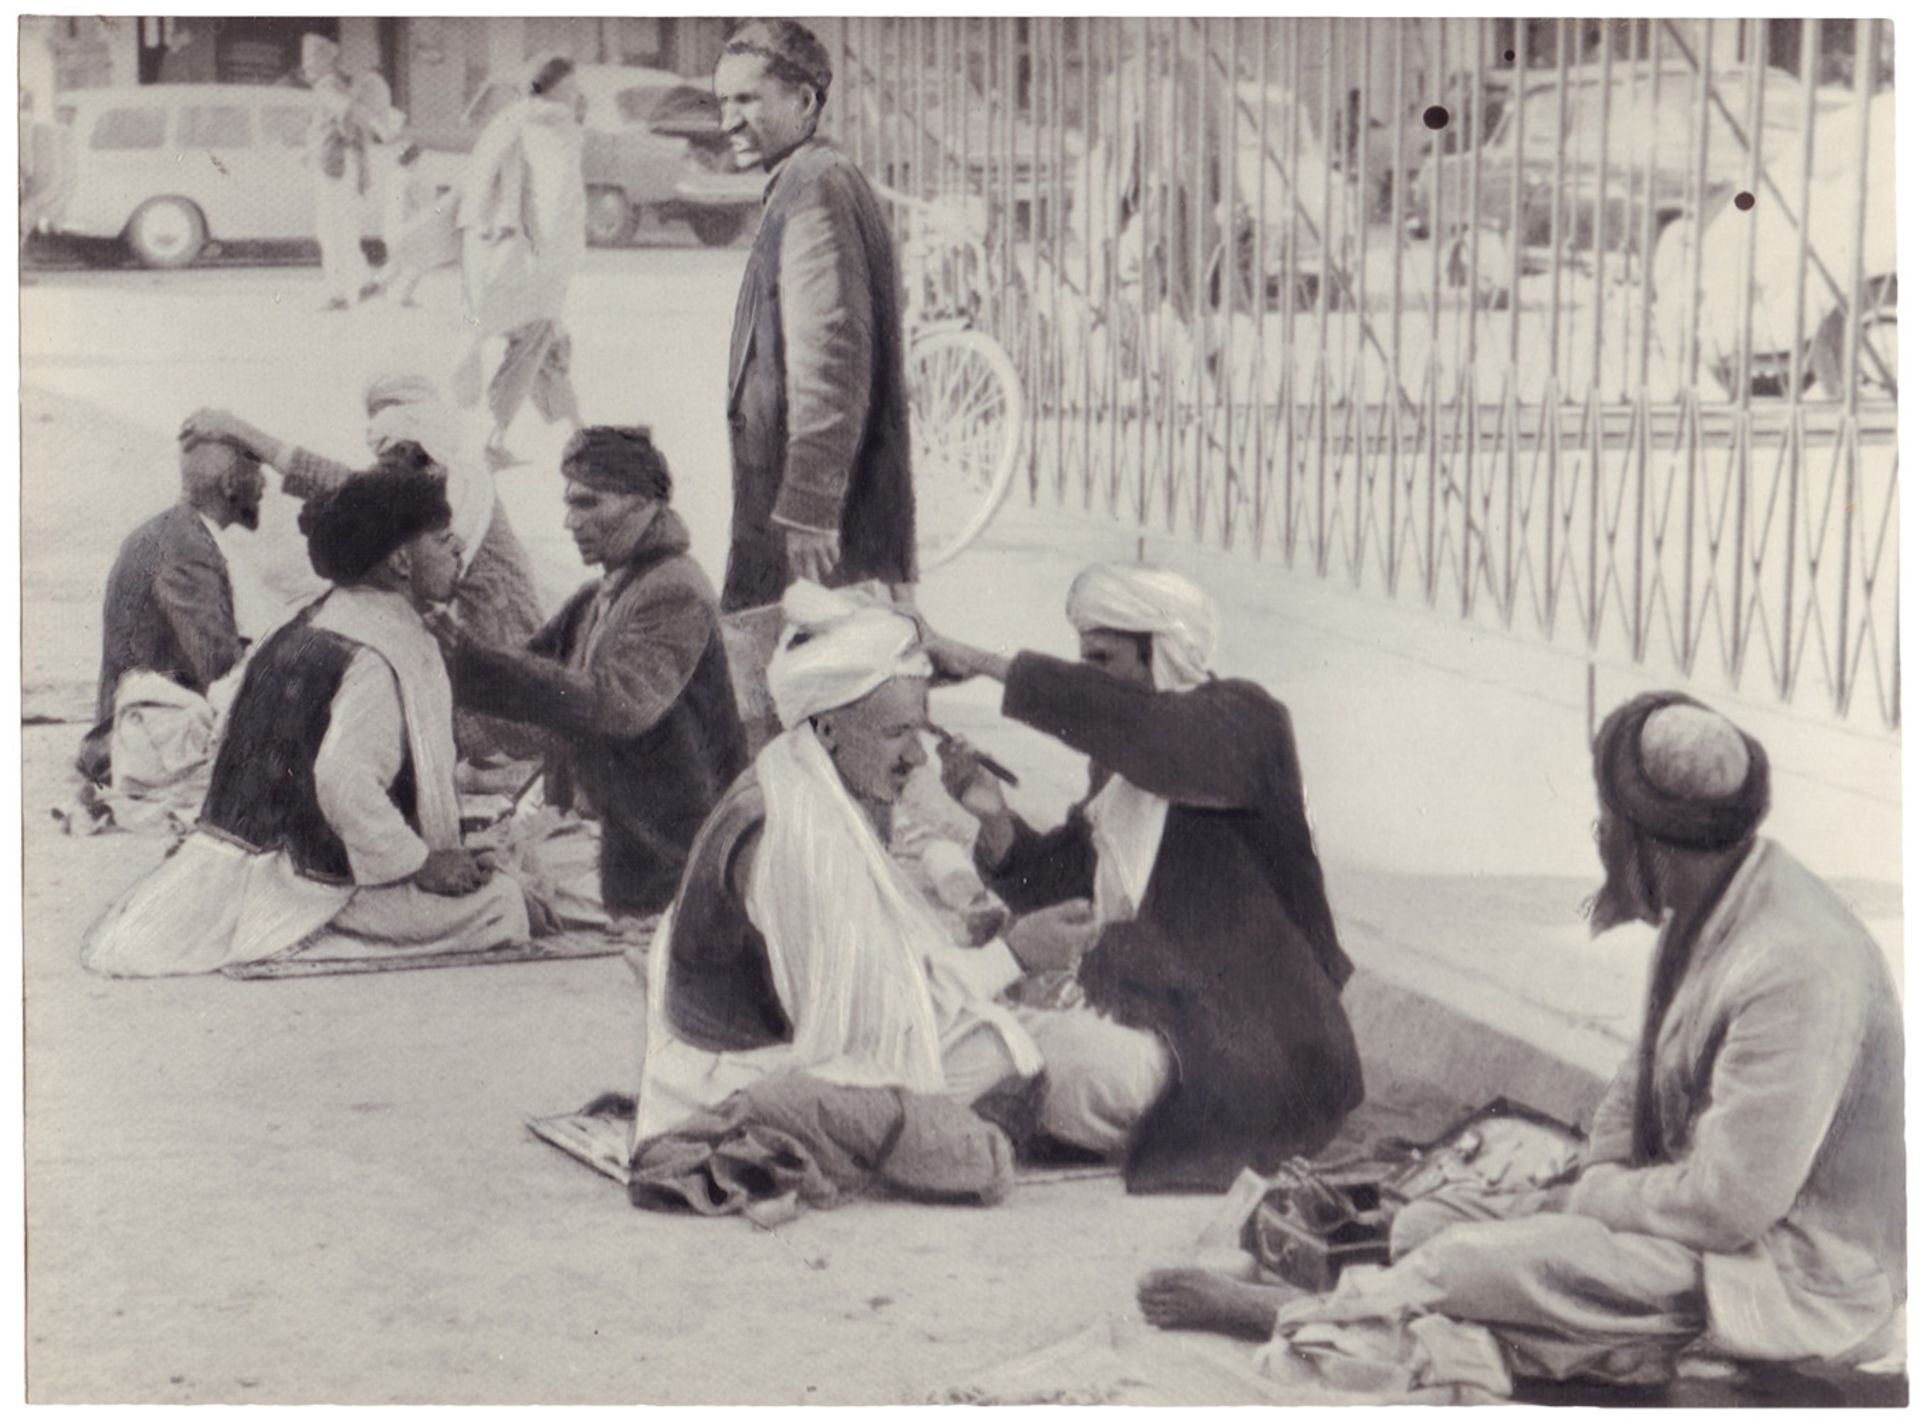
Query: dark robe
631, 678
1232, 956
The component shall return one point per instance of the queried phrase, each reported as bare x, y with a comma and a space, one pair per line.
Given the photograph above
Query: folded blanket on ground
792, 1135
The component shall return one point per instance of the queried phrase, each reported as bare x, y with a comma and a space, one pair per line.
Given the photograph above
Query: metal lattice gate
1582, 328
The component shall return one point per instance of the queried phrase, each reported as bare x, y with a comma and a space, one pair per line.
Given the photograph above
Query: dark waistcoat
263, 792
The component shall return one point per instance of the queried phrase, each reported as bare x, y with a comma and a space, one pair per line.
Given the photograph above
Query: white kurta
217, 902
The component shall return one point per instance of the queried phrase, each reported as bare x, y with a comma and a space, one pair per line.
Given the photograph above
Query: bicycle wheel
967, 416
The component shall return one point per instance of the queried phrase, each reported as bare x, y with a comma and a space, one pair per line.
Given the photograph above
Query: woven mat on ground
600, 1140
567, 946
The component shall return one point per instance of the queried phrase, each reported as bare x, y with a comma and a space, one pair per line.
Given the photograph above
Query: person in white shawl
332, 826
797, 943
523, 222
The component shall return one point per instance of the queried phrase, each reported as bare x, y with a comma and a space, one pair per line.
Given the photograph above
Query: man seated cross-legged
796, 942
1743, 1194
332, 821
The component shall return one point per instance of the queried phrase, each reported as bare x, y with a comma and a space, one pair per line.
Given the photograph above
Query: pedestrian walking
523, 217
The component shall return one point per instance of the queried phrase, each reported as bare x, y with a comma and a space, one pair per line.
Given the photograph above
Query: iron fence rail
1580, 328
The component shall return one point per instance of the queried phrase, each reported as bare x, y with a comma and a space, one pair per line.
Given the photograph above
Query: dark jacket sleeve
193, 595
827, 333
648, 652
1190, 747
1043, 869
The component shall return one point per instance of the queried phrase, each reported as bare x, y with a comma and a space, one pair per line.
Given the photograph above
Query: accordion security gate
1580, 328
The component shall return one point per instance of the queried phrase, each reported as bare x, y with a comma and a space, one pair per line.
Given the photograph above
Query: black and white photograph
901, 710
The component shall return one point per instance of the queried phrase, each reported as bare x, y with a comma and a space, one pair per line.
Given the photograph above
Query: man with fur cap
1193, 843
630, 680
332, 825
1743, 1193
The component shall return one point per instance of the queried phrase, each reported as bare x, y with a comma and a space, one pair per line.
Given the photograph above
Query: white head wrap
1182, 619
408, 408
838, 647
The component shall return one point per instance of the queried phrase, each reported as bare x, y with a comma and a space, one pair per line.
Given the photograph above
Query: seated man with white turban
496, 599
1215, 935
796, 942
1743, 1193
332, 826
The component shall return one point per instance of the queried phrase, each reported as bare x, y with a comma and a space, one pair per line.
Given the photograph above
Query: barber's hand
444, 623
812, 555
967, 783
1054, 938
452, 872
218, 426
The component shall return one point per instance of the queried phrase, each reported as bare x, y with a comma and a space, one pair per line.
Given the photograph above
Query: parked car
653, 144
1604, 209
169, 169
1719, 309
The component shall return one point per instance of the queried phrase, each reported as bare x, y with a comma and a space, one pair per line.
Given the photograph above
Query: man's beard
1627, 893
247, 515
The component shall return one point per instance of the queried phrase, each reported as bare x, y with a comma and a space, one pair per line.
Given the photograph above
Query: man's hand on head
811, 554
217, 426
954, 661
452, 872
1054, 938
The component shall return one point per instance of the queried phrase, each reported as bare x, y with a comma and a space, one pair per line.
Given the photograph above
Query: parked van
171, 168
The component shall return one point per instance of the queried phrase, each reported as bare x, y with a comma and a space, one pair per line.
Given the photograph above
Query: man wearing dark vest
332, 824
630, 679
816, 397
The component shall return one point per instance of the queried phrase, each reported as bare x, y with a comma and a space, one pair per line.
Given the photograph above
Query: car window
639, 103
286, 126
130, 128
215, 126
681, 106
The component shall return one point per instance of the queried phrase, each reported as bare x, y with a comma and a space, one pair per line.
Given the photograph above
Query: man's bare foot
1192, 1299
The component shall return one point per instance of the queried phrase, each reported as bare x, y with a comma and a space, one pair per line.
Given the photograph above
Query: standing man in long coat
816, 397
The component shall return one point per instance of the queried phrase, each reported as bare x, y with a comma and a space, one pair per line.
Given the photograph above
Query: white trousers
1102, 1077
336, 222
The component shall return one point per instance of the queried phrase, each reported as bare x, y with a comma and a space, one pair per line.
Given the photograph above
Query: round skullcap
618, 459
1691, 752
1680, 773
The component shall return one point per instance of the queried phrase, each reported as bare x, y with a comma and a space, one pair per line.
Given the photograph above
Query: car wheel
166, 232
718, 226
610, 217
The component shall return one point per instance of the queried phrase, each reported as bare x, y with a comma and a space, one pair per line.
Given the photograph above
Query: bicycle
966, 407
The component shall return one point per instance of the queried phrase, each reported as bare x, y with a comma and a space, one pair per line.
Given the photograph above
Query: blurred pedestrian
816, 387
420, 228
523, 219
337, 142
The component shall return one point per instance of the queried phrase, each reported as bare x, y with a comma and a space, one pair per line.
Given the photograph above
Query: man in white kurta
332, 826
797, 943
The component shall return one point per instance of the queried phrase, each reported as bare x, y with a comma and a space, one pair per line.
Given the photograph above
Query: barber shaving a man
1214, 942
797, 943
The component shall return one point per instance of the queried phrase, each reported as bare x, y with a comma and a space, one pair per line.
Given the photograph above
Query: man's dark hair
793, 53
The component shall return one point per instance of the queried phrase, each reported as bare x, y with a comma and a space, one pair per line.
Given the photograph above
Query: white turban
1182, 619
839, 647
